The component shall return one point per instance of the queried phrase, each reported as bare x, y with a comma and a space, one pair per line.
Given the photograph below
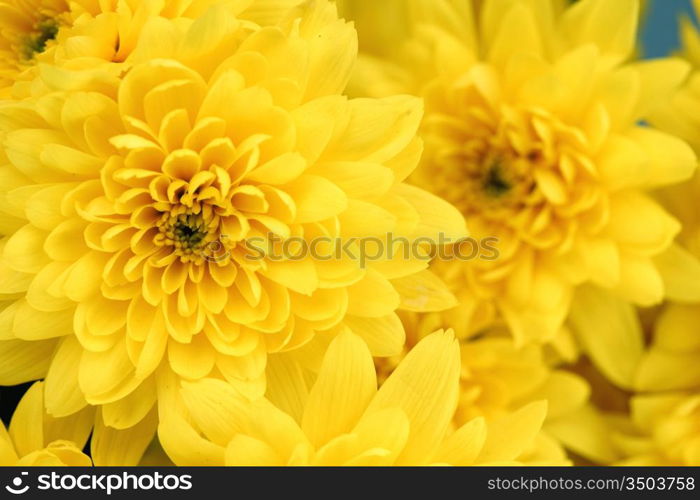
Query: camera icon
16, 487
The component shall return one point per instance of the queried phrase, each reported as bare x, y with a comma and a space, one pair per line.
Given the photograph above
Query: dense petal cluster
233, 232
532, 130
141, 213
347, 421
40, 36
27, 27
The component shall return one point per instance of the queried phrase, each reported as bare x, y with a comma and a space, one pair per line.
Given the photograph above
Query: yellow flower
35, 438
131, 207
345, 420
83, 34
532, 129
27, 27
48, 31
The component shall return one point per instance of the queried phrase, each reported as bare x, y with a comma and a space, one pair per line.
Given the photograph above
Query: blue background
660, 33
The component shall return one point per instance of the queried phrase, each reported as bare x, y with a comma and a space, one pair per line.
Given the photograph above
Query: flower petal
343, 389
425, 387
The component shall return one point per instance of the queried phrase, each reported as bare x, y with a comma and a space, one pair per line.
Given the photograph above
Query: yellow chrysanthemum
26, 28
35, 438
130, 205
345, 420
82, 34
532, 128
75, 32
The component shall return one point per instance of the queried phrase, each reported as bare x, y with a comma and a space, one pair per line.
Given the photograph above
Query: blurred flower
666, 410
645, 387
656, 422
27, 27
670, 426
35, 438
660, 423
38, 36
128, 205
533, 129
346, 421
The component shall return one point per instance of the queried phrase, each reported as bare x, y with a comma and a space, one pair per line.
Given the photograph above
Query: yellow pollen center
190, 235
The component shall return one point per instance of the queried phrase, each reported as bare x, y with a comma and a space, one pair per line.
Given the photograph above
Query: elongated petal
22, 361
464, 445
610, 332
424, 292
345, 385
26, 427
113, 447
425, 387
63, 395
511, 435
680, 272
217, 408
385, 336
184, 446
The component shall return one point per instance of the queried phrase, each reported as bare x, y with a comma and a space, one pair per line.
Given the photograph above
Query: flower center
495, 184
513, 172
486, 177
45, 30
191, 236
